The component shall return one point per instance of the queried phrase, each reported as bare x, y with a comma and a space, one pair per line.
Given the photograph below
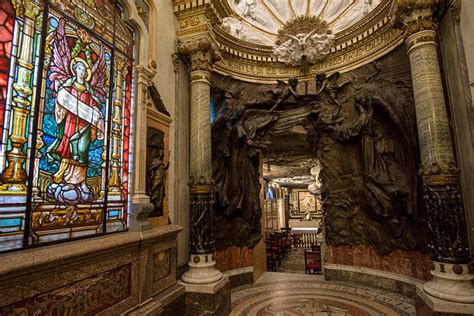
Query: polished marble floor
299, 294
293, 262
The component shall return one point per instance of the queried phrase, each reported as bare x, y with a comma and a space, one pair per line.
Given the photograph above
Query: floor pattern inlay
301, 297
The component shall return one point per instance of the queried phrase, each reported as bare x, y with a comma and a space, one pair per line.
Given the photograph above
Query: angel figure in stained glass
80, 89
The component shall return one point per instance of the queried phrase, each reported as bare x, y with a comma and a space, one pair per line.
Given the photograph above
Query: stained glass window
66, 89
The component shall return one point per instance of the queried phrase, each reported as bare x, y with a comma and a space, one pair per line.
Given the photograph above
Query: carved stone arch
142, 36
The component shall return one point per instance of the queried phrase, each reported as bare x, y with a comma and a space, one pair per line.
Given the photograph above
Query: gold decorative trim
344, 58
442, 179
201, 188
361, 43
201, 185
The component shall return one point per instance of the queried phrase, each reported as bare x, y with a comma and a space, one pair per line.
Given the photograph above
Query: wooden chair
281, 244
315, 248
277, 249
271, 257
312, 262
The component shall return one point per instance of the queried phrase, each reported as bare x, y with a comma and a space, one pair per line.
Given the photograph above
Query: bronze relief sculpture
360, 125
156, 170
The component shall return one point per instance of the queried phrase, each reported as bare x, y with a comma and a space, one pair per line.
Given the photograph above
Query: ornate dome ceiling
267, 40
261, 21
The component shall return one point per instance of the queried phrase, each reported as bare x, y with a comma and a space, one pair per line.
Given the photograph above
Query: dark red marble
408, 263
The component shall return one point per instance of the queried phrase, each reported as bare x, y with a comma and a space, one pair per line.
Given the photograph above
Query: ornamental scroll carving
361, 127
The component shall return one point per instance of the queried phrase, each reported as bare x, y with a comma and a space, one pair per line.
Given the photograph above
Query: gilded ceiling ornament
250, 30
303, 41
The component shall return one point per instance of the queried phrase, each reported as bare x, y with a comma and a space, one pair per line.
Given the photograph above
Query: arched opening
342, 136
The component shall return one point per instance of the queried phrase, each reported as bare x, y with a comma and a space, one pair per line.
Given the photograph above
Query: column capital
417, 15
201, 51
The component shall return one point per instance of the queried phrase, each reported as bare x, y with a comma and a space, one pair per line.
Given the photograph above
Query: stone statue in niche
362, 127
156, 170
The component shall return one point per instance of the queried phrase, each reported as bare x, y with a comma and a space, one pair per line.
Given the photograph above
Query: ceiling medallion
303, 41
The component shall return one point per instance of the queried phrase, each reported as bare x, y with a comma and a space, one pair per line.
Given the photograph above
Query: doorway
291, 205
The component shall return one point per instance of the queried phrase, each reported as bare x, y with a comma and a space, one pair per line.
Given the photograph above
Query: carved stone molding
362, 42
202, 52
455, 9
201, 185
436, 169
145, 75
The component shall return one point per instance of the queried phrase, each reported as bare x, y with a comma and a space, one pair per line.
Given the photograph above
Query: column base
201, 270
208, 299
427, 305
451, 282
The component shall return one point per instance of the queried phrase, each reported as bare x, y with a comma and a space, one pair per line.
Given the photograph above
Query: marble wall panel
408, 263
89, 296
107, 275
234, 258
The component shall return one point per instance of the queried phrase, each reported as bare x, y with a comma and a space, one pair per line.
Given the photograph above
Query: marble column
441, 184
202, 269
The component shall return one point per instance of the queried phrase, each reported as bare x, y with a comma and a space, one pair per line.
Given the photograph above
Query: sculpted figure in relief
156, 170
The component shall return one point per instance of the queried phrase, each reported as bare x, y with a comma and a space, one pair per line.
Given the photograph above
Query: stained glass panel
73, 126
119, 145
7, 21
65, 121
20, 36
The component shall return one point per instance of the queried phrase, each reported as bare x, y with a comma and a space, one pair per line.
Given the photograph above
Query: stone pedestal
427, 305
209, 299
122, 273
139, 217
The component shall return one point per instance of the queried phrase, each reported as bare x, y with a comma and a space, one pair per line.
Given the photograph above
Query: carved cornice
202, 52
195, 17
260, 67
145, 75
368, 39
